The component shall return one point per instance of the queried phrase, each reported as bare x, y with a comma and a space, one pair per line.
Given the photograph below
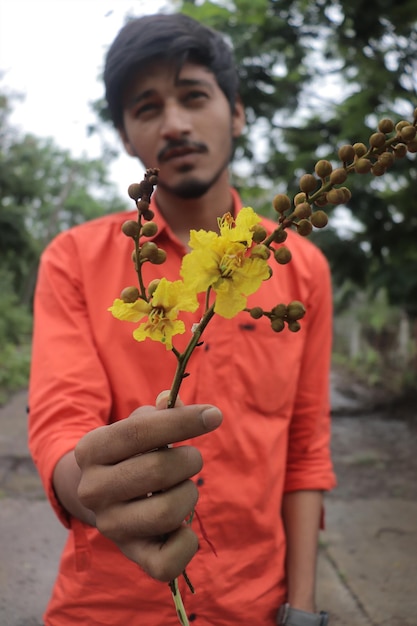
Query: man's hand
140, 490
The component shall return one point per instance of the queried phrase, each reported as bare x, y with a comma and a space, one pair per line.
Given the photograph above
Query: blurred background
314, 76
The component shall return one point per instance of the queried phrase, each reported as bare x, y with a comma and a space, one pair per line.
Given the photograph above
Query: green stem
179, 606
184, 357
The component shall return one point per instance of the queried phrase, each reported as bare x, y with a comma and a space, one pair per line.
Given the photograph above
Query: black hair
173, 37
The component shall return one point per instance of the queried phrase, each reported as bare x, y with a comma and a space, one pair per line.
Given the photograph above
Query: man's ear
125, 141
238, 118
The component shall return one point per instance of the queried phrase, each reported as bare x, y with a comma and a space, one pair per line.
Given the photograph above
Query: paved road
368, 553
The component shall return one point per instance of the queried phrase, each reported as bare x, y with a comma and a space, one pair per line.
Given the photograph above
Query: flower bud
308, 183
363, 166
153, 180
321, 200
319, 219
142, 205
335, 196
277, 325
148, 215
160, 257
280, 235
129, 294
282, 255
256, 312
295, 310
408, 133
259, 233
323, 168
386, 126
130, 228
280, 310
149, 251
387, 159
304, 228
377, 140
281, 203
299, 198
135, 191
149, 229
338, 176
294, 327
260, 252
153, 285
360, 149
347, 194
302, 210
412, 146
347, 153
400, 125
400, 150
378, 169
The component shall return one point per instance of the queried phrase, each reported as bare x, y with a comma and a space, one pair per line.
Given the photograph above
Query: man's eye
146, 109
196, 95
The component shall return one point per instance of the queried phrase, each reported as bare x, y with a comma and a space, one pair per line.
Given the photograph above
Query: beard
192, 187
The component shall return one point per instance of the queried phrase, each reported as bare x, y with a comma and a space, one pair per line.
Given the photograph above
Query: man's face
182, 124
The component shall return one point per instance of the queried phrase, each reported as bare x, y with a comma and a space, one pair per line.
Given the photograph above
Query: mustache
178, 145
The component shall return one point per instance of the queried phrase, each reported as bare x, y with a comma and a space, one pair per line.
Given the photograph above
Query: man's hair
176, 38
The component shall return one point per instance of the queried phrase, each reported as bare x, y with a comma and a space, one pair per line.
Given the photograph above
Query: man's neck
183, 215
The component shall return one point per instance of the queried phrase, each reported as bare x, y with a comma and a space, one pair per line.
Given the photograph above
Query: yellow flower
168, 299
222, 262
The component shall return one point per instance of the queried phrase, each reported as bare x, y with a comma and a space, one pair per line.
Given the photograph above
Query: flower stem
179, 606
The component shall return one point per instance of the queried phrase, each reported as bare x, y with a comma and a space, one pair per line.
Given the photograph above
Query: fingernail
212, 418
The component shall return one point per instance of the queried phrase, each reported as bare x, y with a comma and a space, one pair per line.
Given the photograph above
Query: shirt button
200, 482
192, 617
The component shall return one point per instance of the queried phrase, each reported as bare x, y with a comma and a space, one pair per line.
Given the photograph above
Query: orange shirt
273, 389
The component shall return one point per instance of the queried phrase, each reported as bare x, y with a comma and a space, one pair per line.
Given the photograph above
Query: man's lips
172, 151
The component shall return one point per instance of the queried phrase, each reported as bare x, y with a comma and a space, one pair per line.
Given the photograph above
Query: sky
52, 52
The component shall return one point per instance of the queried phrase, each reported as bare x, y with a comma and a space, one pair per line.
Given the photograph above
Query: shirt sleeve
69, 393
309, 465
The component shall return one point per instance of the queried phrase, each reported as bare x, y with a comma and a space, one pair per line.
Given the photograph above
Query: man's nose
176, 122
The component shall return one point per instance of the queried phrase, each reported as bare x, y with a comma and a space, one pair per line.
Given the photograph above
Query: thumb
161, 401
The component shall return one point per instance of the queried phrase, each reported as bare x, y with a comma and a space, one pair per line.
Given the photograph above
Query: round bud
387, 159
319, 219
347, 194
363, 166
412, 146
153, 285
149, 251
129, 294
260, 252
149, 229
335, 196
160, 257
294, 327
378, 169
386, 125
304, 228
148, 215
279, 311
408, 133
321, 200
142, 205
281, 203
400, 125
346, 153
308, 183
302, 210
338, 176
280, 235
400, 150
360, 149
153, 180
282, 255
130, 228
256, 312
323, 168
295, 310
259, 233
299, 198
377, 140
135, 191
277, 325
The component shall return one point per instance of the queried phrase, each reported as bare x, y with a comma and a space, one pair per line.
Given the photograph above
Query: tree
316, 75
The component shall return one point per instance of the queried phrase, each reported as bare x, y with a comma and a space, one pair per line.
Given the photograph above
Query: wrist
288, 616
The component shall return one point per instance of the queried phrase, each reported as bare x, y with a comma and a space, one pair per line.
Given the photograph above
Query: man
100, 432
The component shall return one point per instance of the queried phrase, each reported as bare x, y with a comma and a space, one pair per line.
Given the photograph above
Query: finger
158, 515
146, 429
162, 400
135, 477
163, 561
